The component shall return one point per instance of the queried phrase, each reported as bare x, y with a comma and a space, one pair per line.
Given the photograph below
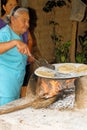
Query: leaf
63, 58
85, 43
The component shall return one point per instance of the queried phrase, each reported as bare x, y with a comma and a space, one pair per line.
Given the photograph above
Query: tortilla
82, 68
45, 73
72, 68
67, 68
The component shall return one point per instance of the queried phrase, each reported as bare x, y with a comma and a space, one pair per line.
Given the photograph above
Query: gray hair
16, 11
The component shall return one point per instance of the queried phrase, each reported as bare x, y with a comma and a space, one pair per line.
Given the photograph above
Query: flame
50, 87
54, 87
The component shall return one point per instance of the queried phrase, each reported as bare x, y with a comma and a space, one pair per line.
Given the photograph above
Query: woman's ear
12, 18
4, 8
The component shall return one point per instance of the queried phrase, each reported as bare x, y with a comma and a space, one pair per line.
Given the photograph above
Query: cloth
12, 66
4, 100
78, 10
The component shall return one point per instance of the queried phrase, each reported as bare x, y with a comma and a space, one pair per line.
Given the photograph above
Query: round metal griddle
45, 72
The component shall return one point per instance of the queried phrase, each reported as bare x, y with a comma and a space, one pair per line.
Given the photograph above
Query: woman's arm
5, 46
22, 47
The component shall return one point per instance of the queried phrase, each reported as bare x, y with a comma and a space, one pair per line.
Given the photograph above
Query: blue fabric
12, 66
5, 100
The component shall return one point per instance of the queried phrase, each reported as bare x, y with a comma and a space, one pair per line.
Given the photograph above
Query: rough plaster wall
24, 3
43, 30
65, 24
82, 27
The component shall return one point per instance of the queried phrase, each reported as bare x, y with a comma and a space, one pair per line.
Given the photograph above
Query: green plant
62, 51
81, 57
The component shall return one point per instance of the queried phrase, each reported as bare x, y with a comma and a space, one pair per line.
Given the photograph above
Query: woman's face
20, 23
10, 4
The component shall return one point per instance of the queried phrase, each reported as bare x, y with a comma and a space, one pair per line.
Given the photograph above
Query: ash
66, 102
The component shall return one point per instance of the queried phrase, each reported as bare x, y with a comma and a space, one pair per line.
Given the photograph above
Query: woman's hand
22, 47
31, 59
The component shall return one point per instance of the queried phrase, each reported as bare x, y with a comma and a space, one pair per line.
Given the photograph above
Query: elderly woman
13, 55
6, 7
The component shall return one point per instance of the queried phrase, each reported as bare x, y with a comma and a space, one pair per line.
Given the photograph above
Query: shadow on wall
33, 22
84, 1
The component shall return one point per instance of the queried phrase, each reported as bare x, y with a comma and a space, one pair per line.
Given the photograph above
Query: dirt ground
47, 118
44, 119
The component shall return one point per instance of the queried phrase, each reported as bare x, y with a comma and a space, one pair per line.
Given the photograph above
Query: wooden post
73, 41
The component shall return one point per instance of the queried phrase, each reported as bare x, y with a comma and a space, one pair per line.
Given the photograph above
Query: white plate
55, 74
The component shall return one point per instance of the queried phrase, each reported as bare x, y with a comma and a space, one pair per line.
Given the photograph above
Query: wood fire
49, 87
